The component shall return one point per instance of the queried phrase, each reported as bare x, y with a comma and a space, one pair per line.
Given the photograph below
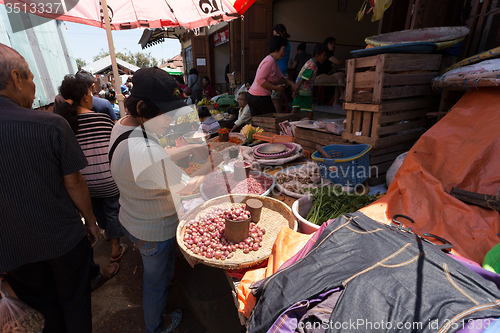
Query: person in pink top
268, 78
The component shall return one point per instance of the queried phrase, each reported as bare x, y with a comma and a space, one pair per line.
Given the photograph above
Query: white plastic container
300, 209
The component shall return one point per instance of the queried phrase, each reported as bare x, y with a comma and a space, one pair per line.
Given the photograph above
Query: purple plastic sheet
288, 321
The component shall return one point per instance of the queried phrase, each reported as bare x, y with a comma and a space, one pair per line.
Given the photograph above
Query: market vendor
329, 72
244, 87
151, 183
268, 78
209, 91
244, 115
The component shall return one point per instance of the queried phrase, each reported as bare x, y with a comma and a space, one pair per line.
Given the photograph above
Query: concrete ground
202, 293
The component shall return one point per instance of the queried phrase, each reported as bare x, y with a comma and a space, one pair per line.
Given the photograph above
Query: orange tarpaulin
462, 150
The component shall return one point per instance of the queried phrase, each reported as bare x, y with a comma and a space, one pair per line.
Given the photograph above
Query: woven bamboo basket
274, 215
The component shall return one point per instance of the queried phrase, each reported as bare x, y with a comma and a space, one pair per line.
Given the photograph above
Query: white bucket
300, 209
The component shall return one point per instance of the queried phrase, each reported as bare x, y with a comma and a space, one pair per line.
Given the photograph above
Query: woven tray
275, 214
227, 144
289, 150
247, 153
191, 196
292, 171
232, 134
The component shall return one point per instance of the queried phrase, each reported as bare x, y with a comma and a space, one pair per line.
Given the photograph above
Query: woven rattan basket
274, 215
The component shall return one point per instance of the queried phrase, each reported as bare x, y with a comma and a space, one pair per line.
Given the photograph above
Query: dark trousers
59, 288
260, 104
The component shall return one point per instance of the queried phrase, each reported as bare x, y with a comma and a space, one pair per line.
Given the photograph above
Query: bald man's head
16, 79
11, 60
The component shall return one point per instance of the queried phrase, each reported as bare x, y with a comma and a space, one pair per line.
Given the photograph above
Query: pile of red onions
216, 185
250, 186
205, 236
237, 214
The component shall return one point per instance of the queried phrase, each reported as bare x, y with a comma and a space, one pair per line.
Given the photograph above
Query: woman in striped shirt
93, 132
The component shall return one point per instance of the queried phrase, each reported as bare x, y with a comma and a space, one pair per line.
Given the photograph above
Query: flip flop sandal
106, 278
103, 233
124, 249
176, 317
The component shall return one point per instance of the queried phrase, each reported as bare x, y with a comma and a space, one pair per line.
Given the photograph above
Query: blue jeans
158, 259
106, 212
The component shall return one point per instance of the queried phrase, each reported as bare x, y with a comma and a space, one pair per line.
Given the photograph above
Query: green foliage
100, 55
330, 204
80, 62
139, 59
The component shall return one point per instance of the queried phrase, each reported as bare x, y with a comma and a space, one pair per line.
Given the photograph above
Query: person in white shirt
244, 116
151, 184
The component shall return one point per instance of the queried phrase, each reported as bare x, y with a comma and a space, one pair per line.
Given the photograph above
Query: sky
87, 41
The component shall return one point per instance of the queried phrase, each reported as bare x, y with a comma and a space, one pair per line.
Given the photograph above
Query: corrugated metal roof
100, 65
44, 43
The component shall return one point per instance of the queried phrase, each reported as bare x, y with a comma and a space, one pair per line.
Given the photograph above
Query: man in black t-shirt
45, 248
99, 105
110, 92
300, 59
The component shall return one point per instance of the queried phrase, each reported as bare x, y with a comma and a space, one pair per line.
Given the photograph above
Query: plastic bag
16, 316
319, 123
394, 168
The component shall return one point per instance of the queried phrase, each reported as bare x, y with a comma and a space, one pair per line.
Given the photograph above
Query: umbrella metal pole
242, 67
119, 95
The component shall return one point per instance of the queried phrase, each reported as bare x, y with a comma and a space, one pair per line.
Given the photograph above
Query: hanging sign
221, 37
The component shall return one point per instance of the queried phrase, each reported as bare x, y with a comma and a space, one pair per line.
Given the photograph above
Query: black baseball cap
159, 87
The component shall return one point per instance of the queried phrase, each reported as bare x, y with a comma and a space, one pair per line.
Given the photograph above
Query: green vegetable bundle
330, 204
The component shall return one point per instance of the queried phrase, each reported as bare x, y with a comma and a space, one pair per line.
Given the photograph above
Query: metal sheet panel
45, 45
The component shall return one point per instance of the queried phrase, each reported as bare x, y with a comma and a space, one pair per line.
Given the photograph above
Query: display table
308, 137
274, 169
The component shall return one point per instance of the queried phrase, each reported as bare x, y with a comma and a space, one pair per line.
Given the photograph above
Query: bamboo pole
119, 95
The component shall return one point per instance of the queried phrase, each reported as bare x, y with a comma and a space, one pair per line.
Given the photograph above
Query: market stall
277, 173
387, 101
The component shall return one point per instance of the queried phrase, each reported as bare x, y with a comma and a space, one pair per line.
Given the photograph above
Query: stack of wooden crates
270, 121
387, 98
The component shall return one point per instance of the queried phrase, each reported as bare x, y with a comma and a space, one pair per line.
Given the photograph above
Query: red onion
205, 235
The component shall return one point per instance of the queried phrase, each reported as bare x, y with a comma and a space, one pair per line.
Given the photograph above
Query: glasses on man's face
242, 99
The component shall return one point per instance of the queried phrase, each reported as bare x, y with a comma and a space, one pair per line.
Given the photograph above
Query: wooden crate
309, 138
390, 76
270, 121
449, 97
386, 124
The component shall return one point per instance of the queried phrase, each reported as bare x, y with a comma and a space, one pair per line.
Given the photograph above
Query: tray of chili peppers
235, 139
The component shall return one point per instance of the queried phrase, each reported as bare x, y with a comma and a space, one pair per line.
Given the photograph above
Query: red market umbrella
131, 14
